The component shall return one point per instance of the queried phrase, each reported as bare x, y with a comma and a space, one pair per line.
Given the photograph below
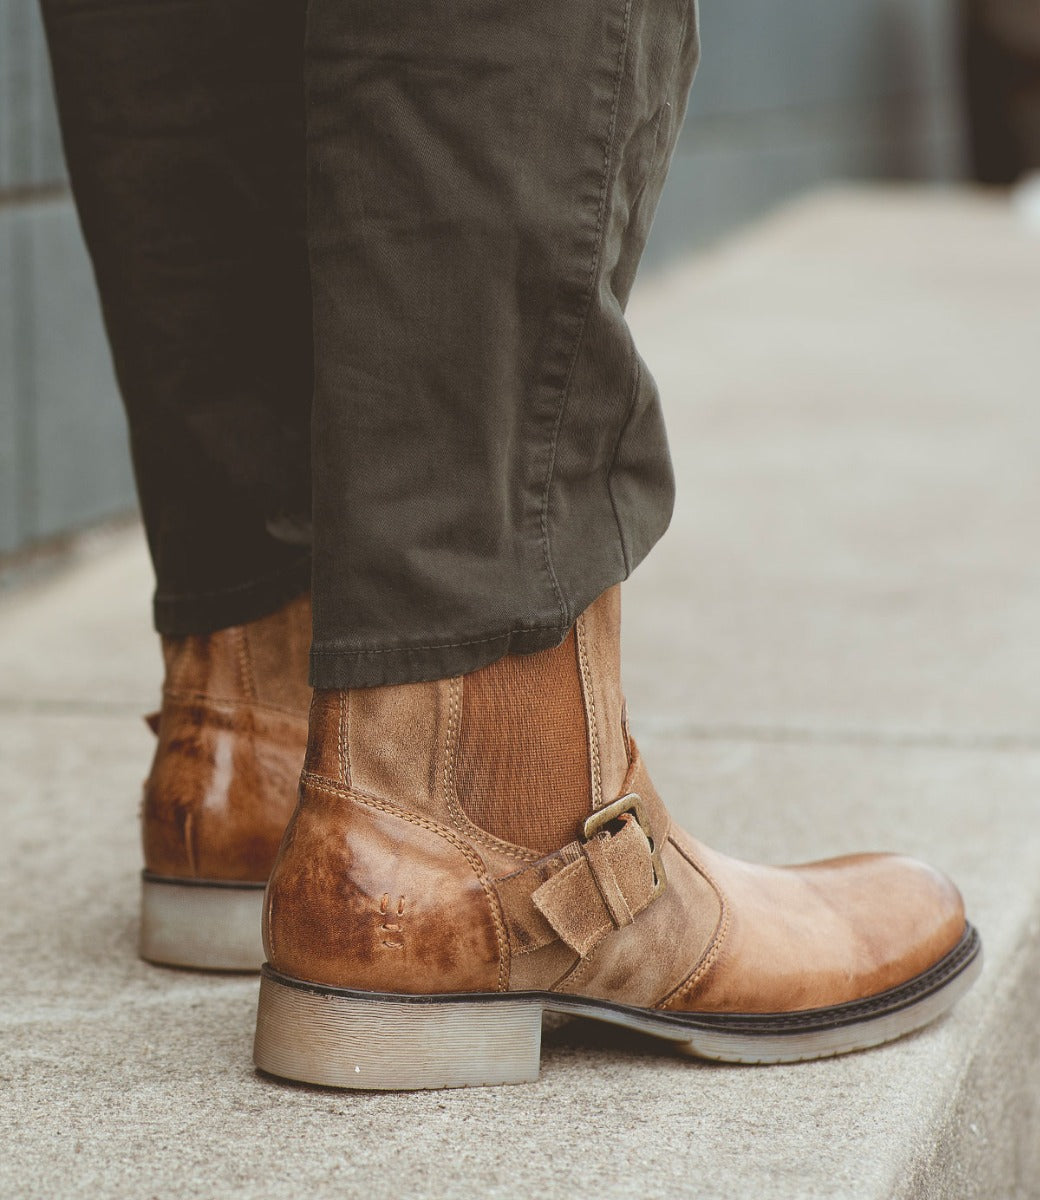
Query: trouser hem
180, 616
334, 668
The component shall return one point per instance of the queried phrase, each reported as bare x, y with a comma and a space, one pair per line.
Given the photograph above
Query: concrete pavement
837, 647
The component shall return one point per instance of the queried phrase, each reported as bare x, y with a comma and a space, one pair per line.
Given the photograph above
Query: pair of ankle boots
465, 854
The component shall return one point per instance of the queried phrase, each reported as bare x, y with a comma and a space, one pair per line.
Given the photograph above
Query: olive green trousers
363, 266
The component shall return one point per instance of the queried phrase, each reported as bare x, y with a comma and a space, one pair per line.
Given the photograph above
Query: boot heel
342, 1039
210, 926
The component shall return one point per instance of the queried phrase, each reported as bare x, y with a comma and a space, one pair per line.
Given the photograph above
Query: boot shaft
264, 661
498, 833
469, 834
231, 737
517, 754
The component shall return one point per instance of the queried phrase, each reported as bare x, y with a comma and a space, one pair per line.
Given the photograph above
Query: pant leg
183, 126
489, 452
1001, 60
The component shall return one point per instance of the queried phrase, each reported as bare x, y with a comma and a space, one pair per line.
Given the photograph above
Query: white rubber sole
208, 925
338, 1038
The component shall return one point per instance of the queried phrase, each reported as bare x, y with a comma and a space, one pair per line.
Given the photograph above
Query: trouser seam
482, 641
608, 153
637, 375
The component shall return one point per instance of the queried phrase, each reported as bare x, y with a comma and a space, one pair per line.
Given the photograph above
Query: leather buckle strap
602, 882
630, 804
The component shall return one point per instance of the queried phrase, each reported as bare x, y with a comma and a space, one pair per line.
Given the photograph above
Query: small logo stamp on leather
391, 928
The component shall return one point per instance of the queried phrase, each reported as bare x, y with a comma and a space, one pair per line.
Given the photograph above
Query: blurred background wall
789, 96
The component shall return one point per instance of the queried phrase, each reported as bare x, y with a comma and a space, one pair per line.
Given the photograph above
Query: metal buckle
631, 804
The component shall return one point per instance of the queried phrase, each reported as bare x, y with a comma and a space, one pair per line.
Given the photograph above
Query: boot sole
339, 1038
200, 923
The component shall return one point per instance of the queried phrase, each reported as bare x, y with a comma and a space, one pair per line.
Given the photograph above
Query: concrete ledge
850, 595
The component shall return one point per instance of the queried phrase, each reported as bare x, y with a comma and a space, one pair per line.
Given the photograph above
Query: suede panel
397, 744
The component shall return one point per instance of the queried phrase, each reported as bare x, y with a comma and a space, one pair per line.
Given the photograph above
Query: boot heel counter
170, 805
221, 787
370, 897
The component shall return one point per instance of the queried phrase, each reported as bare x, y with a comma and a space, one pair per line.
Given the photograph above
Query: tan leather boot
232, 734
469, 853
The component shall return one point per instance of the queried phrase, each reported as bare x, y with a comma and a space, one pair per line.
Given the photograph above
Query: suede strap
582, 892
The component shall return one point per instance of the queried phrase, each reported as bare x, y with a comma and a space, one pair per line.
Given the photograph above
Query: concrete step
836, 648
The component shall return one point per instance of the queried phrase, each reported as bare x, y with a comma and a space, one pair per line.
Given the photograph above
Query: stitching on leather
450, 747
581, 968
710, 956
475, 861
590, 711
458, 813
604, 191
245, 663
344, 717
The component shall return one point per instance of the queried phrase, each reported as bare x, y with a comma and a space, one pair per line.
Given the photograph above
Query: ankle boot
469, 853
232, 733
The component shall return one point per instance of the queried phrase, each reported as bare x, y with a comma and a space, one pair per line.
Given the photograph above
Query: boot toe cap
823, 933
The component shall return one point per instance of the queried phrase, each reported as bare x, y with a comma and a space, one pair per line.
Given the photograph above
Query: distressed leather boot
232, 733
469, 853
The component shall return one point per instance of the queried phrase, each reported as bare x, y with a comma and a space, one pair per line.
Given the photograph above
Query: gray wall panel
10, 389
729, 176
80, 457
30, 145
758, 55
790, 96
